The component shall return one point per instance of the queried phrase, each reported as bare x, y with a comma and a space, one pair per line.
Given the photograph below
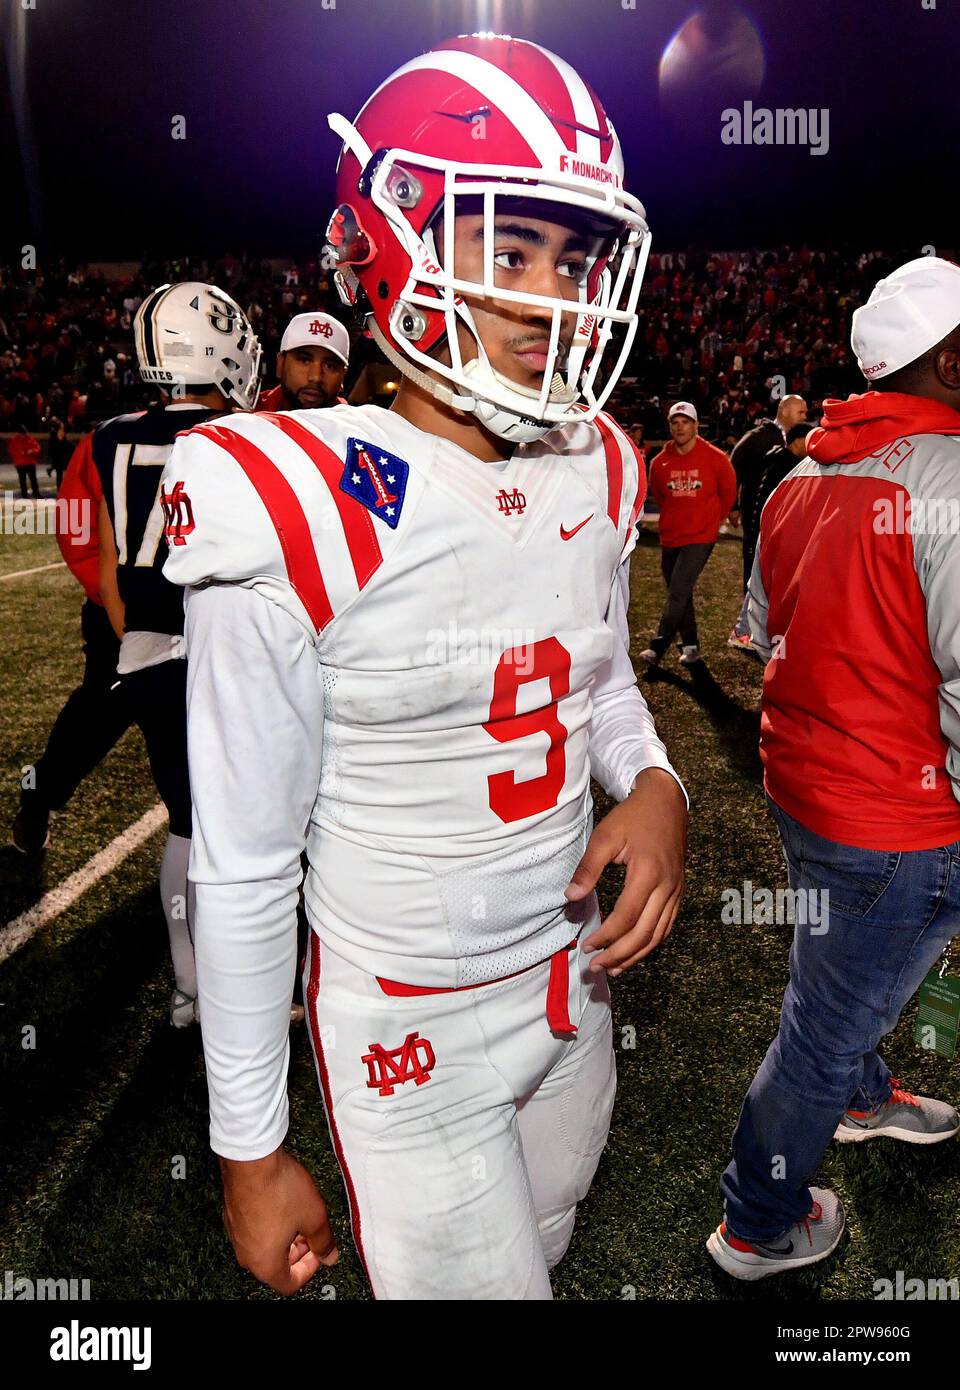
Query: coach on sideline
860, 739
694, 485
311, 364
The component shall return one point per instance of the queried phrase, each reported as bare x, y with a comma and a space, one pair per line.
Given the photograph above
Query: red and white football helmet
485, 118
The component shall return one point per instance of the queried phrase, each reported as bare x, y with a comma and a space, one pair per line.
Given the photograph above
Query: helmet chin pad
509, 424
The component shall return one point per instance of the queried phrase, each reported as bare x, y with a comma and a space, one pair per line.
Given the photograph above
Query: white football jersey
428, 662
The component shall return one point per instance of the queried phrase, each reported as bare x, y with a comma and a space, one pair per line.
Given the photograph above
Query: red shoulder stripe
357, 523
287, 515
641, 496
614, 459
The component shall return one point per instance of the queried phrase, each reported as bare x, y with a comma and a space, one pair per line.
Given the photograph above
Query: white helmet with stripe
196, 335
478, 124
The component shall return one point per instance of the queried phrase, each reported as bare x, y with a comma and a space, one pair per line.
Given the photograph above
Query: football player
194, 342
408, 653
311, 364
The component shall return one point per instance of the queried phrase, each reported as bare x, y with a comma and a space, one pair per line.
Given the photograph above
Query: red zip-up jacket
855, 605
276, 400
24, 450
694, 492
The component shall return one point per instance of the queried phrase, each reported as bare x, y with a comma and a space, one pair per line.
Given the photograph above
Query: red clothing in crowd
275, 399
24, 450
81, 488
694, 492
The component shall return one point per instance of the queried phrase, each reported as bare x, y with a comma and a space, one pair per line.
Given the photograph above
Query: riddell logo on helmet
583, 169
427, 263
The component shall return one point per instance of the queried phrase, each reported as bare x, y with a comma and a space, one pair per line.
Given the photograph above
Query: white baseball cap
908, 313
317, 330
683, 408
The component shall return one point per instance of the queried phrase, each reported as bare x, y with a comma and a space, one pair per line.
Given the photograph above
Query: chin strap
505, 424
427, 383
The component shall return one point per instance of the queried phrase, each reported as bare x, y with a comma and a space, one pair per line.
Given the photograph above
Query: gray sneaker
651, 657
689, 656
915, 1119
805, 1243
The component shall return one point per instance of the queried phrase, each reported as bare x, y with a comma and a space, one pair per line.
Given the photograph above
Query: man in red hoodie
24, 452
694, 485
860, 740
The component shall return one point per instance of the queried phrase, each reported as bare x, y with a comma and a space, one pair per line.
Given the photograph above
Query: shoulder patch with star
376, 478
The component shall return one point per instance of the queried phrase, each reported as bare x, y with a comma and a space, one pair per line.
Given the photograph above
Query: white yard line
58, 899
18, 574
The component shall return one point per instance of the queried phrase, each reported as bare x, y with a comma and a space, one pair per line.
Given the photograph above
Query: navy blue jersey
130, 452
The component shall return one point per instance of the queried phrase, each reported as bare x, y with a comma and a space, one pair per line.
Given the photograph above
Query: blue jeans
853, 967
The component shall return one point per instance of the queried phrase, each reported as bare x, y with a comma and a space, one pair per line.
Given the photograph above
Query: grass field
94, 1117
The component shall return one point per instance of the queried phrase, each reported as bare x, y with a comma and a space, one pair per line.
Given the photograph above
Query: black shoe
31, 830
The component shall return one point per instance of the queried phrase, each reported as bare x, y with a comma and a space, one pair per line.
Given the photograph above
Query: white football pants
467, 1129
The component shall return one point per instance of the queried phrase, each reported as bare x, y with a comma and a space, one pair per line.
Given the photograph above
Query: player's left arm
647, 832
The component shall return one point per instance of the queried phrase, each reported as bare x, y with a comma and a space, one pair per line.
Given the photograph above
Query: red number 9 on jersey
547, 659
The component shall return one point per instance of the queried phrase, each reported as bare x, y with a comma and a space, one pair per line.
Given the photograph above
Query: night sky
90, 88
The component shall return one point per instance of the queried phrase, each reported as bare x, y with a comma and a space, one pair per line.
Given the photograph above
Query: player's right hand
276, 1220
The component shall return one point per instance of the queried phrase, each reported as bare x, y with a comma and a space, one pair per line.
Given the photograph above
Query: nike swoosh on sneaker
566, 535
775, 1249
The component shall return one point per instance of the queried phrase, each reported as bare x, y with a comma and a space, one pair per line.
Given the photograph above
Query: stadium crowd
716, 329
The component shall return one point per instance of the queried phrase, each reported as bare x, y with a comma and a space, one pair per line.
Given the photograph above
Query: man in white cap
860, 739
694, 485
313, 359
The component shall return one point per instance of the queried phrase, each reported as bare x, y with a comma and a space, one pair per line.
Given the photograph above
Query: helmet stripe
584, 109
150, 325
143, 351
533, 124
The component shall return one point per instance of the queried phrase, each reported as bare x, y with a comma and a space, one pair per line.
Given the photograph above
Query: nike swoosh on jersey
566, 535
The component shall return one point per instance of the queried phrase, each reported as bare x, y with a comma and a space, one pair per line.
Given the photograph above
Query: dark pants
750, 539
748, 518
28, 474
93, 719
681, 566
157, 699
887, 919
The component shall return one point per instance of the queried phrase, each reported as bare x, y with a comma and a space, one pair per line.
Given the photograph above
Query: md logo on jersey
387, 1068
375, 478
177, 514
511, 503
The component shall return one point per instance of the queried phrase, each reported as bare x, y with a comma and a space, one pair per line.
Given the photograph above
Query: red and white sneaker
805, 1243
914, 1119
